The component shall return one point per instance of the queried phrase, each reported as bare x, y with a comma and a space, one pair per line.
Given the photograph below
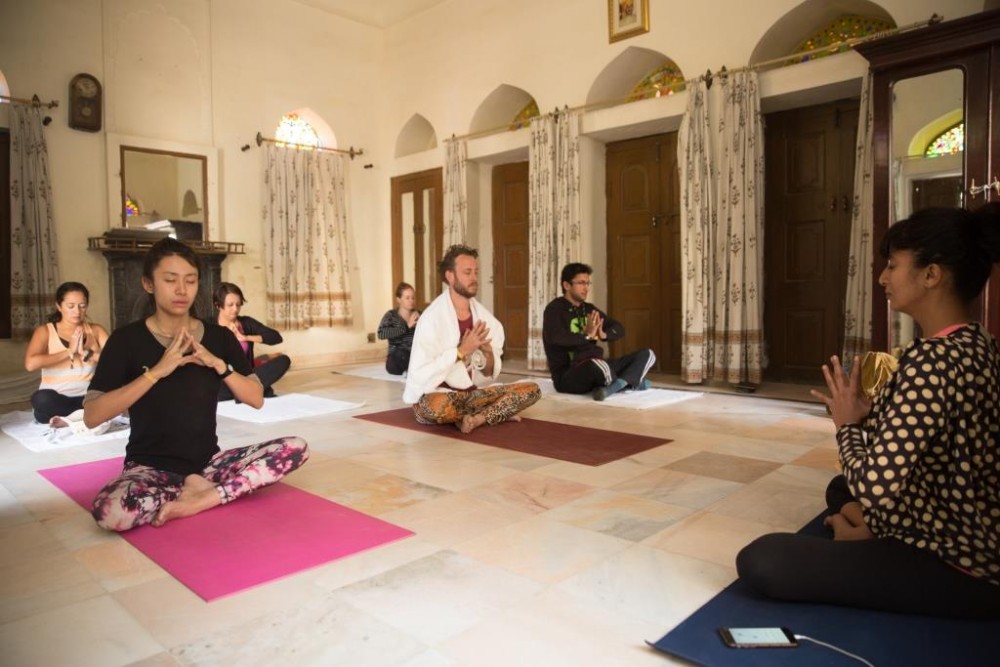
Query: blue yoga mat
881, 638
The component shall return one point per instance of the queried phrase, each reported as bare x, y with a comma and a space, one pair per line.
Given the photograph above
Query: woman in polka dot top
916, 514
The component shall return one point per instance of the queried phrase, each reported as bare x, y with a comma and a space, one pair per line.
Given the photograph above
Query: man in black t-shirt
571, 332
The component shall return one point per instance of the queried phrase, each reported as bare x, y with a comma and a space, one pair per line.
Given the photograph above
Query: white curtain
698, 222
737, 333
858, 298
305, 222
553, 216
34, 265
455, 192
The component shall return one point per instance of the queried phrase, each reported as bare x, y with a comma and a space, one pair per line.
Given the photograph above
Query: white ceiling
378, 13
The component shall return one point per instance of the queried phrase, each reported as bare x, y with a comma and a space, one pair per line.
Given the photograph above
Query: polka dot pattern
925, 464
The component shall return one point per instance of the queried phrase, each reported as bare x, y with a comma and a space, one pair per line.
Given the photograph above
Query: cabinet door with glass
934, 140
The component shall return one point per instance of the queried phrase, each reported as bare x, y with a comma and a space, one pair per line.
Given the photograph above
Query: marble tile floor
517, 559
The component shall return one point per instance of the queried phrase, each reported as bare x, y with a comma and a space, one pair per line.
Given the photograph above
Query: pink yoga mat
277, 531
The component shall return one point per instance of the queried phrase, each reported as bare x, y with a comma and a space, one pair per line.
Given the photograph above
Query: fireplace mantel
129, 302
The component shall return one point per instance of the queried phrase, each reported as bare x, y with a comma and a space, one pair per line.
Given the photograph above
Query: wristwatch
226, 373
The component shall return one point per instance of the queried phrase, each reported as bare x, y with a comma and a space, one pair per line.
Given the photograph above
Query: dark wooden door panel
644, 269
510, 250
809, 193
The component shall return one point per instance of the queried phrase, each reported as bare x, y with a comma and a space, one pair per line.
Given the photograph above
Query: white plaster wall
214, 72
274, 57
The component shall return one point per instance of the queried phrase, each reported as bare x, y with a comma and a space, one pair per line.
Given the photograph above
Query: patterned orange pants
497, 402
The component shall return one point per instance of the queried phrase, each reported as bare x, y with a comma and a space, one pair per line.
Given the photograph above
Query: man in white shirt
456, 354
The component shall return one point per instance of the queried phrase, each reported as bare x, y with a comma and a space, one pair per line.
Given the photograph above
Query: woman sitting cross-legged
397, 327
66, 350
228, 300
916, 514
166, 371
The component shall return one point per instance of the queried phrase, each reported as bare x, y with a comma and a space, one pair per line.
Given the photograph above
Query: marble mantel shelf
124, 244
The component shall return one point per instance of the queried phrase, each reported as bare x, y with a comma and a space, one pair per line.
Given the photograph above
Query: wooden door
644, 277
809, 155
510, 255
417, 233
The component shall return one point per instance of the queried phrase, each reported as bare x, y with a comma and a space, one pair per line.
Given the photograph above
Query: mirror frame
117, 145
204, 177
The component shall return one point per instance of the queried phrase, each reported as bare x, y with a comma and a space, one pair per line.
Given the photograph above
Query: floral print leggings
135, 497
498, 402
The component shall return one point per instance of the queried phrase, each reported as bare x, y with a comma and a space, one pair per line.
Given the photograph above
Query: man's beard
467, 292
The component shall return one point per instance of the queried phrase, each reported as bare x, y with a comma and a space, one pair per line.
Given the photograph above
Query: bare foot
845, 530
470, 423
513, 418
197, 495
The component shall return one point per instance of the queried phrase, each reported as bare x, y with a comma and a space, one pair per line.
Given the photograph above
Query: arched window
298, 131
948, 142
847, 26
666, 79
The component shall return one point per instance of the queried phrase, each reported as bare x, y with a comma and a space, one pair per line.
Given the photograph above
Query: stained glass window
295, 130
524, 116
666, 79
848, 26
948, 142
131, 207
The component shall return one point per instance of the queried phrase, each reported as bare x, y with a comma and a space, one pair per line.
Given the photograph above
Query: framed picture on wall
627, 18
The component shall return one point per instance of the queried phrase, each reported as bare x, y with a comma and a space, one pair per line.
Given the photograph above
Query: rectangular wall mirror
164, 185
152, 180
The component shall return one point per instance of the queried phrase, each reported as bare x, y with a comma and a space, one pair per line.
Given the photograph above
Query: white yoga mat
372, 372
43, 438
283, 408
633, 400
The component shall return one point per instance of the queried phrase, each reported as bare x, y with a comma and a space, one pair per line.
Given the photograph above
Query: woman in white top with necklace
66, 350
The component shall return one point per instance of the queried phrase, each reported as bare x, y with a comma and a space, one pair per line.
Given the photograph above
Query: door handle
833, 204
655, 220
846, 202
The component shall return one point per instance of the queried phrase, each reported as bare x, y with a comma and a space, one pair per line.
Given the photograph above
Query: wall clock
85, 103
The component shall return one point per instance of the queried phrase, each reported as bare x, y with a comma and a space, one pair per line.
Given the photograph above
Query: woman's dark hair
572, 270
166, 247
61, 293
223, 290
402, 287
967, 243
454, 252
163, 248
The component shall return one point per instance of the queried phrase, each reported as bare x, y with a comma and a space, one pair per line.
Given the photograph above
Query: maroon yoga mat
576, 444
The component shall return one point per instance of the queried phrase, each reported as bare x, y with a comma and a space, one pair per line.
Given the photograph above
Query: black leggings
268, 373
397, 361
884, 574
585, 376
48, 403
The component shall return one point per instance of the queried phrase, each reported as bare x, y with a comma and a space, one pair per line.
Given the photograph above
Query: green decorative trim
666, 79
845, 27
524, 116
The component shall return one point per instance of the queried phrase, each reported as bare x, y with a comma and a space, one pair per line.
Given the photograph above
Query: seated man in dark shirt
571, 331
